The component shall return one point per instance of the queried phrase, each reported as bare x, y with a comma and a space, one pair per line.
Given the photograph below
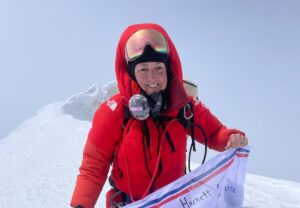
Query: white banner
217, 183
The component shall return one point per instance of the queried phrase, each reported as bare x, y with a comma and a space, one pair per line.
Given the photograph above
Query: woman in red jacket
142, 131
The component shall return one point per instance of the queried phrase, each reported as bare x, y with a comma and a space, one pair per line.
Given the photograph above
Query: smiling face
151, 76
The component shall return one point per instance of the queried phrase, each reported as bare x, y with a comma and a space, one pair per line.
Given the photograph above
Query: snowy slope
39, 160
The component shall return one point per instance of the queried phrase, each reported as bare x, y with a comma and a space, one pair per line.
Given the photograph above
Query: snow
39, 160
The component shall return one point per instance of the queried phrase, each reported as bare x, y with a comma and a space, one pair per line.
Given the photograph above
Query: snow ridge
83, 105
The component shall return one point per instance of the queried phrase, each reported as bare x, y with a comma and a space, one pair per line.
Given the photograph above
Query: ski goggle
137, 42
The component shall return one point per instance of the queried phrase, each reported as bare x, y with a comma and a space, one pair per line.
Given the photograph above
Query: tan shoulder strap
191, 88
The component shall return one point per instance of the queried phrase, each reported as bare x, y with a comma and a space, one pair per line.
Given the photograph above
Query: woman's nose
152, 74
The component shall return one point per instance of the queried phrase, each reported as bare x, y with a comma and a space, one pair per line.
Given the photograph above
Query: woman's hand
236, 140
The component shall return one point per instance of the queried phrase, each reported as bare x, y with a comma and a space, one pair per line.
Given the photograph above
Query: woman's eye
143, 69
159, 68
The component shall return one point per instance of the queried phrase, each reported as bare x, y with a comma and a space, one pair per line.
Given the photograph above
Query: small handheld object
139, 107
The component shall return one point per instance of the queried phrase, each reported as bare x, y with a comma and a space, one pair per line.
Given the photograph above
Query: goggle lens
137, 42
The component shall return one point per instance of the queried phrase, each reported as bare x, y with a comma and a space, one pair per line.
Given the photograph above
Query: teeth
153, 85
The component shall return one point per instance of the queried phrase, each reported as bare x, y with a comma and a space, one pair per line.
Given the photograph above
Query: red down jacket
134, 161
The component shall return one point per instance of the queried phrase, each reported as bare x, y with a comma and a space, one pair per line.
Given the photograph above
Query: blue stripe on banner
203, 175
242, 150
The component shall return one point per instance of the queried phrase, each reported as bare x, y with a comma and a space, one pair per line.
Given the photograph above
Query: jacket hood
177, 96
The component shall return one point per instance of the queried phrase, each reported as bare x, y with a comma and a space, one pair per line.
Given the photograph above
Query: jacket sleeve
98, 152
217, 134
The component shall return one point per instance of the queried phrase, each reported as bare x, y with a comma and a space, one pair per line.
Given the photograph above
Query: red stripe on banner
241, 155
196, 185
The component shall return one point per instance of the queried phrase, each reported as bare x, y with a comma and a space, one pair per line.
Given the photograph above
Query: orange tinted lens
137, 42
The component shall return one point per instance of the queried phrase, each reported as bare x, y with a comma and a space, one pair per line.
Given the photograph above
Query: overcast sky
244, 56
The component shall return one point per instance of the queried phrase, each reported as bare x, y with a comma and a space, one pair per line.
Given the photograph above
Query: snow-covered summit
39, 160
83, 105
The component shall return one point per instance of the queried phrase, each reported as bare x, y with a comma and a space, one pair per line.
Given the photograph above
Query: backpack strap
186, 117
127, 116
